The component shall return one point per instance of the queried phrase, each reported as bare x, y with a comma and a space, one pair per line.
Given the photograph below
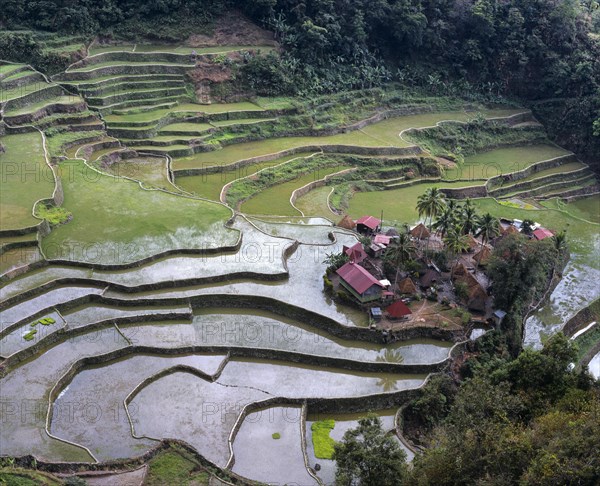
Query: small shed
376, 313
398, 310
498, 316
376, 250
392, 232
420, 231
347, 223
473, 243
368, 225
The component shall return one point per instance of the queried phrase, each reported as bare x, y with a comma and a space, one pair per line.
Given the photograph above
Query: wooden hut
398, 310
430, 278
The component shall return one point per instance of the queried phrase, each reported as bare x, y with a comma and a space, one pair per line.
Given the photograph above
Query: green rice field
25, 178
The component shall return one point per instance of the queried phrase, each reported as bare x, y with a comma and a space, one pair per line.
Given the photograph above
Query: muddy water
90, 410
187, 407
25, 392
301, 381
260, 457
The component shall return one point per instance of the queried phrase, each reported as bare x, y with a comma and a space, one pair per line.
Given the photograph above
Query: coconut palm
469, 218
456, 242
445, 221
401, 251
489, 227
429, 204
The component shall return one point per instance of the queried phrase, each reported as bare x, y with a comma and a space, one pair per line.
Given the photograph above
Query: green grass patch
116, 221
276, 435
484, 165
57, 140
322, 443
30, 334
398, 205
175, 467
477, 135
25, 178
314, 203
587, 208
54, 215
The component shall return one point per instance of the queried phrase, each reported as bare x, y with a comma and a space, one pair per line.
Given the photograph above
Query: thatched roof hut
407, 286
477, 296
474, 244
459, 270
347, 223
482, 257
420, 231
429, 278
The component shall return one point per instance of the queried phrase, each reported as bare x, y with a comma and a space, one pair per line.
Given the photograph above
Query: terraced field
141, 289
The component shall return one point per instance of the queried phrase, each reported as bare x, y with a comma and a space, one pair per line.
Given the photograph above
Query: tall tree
456, 242
367, 456
489, 227
401, 251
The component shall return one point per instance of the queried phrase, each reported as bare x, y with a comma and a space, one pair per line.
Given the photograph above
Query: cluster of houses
362, 276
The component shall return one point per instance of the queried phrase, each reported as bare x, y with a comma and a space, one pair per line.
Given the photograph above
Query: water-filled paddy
260, 457
90, 410
253, 328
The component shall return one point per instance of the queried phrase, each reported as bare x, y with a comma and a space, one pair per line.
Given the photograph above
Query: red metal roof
356, 253
542, 233
357, 277
369, 221
382, 239
398, 309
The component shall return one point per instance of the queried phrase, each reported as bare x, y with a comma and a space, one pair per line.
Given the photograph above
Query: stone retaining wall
45, 93
47, 110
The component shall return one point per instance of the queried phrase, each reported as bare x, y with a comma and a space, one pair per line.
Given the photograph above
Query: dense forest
542, 53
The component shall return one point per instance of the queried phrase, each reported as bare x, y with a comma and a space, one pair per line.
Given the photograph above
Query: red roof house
398, 310
542, 234
367, 224
356, 252
359, 282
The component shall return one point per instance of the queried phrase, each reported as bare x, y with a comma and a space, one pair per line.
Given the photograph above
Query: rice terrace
205, 280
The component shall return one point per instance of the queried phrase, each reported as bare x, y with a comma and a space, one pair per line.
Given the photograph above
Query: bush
323, 444
462, 291
276, 435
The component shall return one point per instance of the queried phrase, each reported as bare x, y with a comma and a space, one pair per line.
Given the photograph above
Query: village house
356, 253
360, 283
368, 225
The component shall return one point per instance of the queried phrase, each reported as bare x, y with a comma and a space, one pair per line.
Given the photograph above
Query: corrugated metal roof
398, 309
357, 277
542, 233
369, 221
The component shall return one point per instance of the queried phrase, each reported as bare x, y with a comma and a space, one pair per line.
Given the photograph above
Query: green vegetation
366, 455
322, 443
276, 435
175, 466
15, 476
25, 179
133, 223
587, 341
54, 215
30, 334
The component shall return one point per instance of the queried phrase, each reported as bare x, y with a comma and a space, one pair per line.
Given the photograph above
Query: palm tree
456, 243
489, 227
445, 221
560, 242
401, 251
469, 218
431, 203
